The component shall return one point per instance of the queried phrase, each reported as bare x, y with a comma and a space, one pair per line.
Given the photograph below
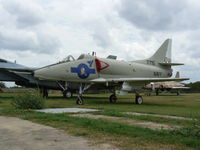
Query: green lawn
120, 134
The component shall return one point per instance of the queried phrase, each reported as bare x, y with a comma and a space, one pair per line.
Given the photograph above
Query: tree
194, 87
2, 85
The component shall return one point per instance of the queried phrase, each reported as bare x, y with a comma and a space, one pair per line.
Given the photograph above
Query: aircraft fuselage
87, 69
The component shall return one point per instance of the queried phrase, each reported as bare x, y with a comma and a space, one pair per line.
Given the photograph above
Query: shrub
2, 85
28, 100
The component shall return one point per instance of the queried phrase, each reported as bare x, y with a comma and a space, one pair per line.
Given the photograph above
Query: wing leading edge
137, 80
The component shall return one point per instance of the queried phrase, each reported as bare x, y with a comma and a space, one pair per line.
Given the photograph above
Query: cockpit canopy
68, 58
84, 56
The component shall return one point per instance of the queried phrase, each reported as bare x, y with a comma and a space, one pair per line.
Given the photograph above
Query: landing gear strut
178, 93
113, 98
138, 99
157, 92
44, 93
82, 88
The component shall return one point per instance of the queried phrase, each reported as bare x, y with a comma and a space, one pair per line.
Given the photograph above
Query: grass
167, 121
120, 134
103, 126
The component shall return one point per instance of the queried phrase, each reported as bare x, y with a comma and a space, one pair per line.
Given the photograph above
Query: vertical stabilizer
163, 54
177, 74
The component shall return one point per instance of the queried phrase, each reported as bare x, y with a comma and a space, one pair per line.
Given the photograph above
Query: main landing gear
113, 98
138, 98
67, 94
157, 92
178, 93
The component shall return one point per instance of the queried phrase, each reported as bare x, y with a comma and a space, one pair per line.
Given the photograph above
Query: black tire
79, 100
67, 94
138, 100
113, 98
178, 93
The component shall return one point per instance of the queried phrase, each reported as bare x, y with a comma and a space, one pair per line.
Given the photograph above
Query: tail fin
163, 54
177, 74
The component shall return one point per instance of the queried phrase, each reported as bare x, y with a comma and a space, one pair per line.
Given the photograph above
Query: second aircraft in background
167, 86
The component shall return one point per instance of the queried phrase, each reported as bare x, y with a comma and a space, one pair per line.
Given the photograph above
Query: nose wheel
79, 100
82, 88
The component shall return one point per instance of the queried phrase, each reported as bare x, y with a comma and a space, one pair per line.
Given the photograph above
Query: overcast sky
40, 32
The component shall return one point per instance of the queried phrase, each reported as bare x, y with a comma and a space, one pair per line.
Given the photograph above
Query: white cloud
26, 12
48, 30
162, 15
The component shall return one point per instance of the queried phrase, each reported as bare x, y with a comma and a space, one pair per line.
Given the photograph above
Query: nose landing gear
82, 88
79, 100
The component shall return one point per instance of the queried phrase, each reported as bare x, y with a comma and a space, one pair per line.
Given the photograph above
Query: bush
28, 100
2, 85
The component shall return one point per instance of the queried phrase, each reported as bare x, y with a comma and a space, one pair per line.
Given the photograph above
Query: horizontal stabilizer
171, 64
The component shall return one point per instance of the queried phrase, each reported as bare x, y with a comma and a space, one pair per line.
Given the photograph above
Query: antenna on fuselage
93, 53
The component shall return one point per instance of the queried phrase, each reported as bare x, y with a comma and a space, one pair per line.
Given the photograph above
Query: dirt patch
17, 134
157, 115
146, 124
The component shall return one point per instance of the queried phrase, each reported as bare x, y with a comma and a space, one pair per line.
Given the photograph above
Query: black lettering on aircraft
157, 74
150, 62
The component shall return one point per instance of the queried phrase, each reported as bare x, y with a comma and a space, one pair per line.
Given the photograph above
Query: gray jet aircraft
23, 76
105, 73
166, 86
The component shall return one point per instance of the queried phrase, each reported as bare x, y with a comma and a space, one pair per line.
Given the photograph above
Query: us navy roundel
83, 71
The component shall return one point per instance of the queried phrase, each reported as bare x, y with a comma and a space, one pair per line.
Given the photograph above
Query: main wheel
157, 92
113, 98
67, 94
138, 100
79, 100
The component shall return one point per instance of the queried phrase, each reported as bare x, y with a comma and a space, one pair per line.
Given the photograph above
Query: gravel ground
18, 134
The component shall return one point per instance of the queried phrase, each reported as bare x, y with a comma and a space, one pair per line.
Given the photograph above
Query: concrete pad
66, 110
